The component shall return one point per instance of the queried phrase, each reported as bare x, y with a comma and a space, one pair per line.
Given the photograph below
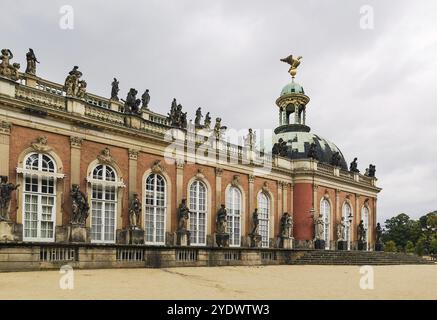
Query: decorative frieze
157, 167
105, 157
40, 145
235, 181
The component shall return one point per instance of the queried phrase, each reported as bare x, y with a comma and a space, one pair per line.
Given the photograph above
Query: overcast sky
372, 90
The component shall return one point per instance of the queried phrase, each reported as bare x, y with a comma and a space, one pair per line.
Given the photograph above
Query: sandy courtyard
269, 282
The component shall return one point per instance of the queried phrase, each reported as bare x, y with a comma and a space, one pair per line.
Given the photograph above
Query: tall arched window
233, 205
155, 209
103, 203
365, 218
325, 211
39, 194
263, 216
347, 213
198, 210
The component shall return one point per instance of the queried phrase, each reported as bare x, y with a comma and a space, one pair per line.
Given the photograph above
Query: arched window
233, 205
325, 212
198, 210
103, 203
155, 209
39, 194
365, 218
263, 216
347, 214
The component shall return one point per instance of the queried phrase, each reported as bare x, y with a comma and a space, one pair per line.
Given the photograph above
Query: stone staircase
329, 257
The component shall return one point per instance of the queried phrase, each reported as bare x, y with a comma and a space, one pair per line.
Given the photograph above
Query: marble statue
250, 139
319, 226
255, 222
183, 215
80, 206
341, 228
221, 223
286, 225
378, 232
361, 232
134, 211
207, 123
132, 104
73, 86
198, 117
6, 189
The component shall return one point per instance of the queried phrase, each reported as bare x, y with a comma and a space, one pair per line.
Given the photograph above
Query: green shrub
420, 246
390, 246
433, 246
409, 247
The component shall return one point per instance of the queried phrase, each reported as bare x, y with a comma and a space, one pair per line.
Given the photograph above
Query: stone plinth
255, 240
379, 246
362, 246
7, 231
136, 236
183, 238
78, 233
286, 243
222, 239
342, 245
320, 244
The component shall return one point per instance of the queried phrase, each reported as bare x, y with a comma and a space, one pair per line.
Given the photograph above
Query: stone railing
40, 96
105, 115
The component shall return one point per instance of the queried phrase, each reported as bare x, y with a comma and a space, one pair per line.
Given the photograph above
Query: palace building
101, 181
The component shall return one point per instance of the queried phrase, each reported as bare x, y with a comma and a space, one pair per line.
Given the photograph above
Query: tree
420, 247
433, 246
401, 229
409, 247
390, 246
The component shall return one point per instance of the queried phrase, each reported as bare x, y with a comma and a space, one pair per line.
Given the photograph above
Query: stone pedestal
320, 244
286, 243
342, 245
7, 231
78, 233
362, 246
255, 240
379, 246
222, 239
183, 238
136, 236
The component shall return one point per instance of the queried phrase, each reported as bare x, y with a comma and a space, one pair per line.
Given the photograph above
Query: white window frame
104, 183
195, 212
264, 218
40, 174
325, 211
232, 195
155, 207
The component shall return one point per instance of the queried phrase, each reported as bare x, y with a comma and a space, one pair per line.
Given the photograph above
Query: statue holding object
6, 189
80, 206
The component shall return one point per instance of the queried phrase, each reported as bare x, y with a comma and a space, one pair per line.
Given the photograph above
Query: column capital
133, 154
251, 178
76, 142
5, 127
180, 164
218, 171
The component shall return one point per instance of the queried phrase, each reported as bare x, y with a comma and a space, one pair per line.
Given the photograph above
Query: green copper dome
292, 87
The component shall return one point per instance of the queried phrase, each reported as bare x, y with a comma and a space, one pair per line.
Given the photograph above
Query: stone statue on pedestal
132, 104
319, 226
183, 215
73, 86
340, 230
115, 89
361, 232
80, 206
255, 222
286, 225
145, 99
198, 118
378, 232
6, 69
31, 62
134, 211
207, 123
6, 189
354, 166
312, 152
222, 220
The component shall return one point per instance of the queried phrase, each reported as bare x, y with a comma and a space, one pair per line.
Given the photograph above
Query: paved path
269, 282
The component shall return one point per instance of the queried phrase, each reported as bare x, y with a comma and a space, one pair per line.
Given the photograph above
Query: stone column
291, 198
133, 161
296, 113
356, 219
280, 209
5, 132
337, 215
284, 197
75, 154
251, 195
218, 187
179, 181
